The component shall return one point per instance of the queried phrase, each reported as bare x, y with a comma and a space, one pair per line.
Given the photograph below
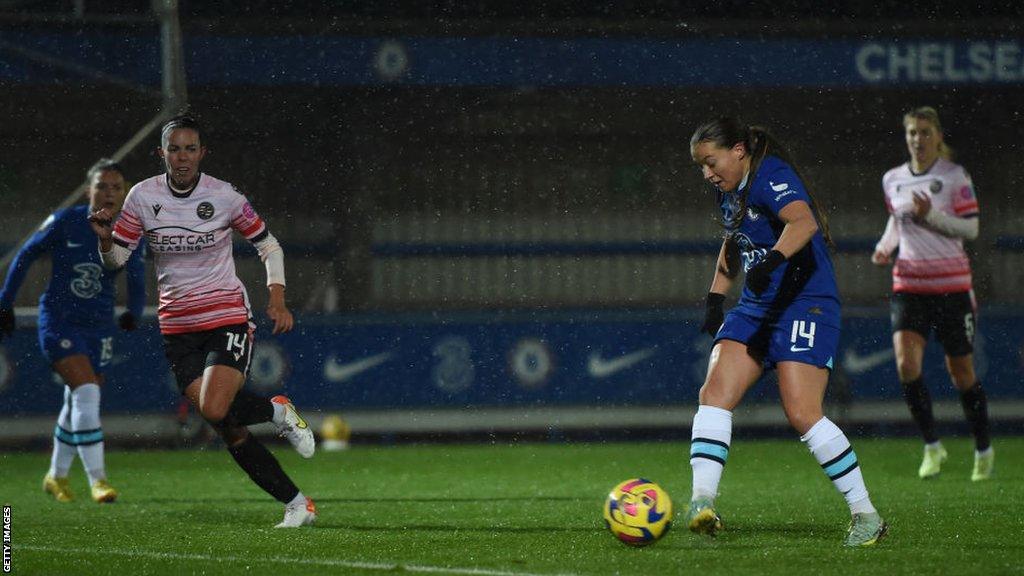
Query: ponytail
727, 132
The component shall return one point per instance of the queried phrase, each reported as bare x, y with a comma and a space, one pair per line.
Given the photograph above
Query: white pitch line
306, 561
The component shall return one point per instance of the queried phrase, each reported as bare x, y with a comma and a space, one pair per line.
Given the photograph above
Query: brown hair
726, 132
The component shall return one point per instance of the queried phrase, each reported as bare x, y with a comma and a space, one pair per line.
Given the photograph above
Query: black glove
713, 314
6, 322
127, 322
760, 275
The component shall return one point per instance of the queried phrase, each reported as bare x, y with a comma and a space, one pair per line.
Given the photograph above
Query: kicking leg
215, 394
730, 373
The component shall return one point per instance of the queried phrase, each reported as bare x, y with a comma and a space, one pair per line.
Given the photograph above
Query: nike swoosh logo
797, 349
854, 363
601, 368
298, 419
335, 371
73, 244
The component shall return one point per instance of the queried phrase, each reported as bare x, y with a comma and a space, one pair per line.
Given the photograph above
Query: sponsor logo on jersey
156, 209
205, 210
190, 242
778, 187
248, 211
784, 194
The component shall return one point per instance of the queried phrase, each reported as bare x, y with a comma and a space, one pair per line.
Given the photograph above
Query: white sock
833, 451
279, 412
709, 449
63, 451
299, 500
85, 423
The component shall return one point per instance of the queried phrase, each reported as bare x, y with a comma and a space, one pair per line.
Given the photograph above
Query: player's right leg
55, 483
87, 430
74, 352
731, 372
215, 388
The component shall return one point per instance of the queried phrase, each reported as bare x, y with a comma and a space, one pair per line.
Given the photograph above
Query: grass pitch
514, 510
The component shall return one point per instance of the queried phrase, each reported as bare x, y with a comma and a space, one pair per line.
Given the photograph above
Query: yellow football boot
102, 492
58, 488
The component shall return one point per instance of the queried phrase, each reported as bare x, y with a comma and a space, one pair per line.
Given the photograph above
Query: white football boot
294, 428
298, 514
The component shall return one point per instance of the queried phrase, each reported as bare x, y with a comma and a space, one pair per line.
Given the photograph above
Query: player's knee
233, 435
716, 396
907, 369
803, 418
214, 413
963, 378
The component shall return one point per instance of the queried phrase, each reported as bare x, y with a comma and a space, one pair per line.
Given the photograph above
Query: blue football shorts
800, 337
60, 340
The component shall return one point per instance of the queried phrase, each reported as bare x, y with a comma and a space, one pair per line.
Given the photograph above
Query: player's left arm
963, 223
273, 259
788, 200
251, 226
800, 227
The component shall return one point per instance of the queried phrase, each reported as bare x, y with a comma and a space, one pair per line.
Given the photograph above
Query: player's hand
880, 258
922, 205
101, 221
713, 314
7, 323
127, 322
283, 320
277, 311
760, 275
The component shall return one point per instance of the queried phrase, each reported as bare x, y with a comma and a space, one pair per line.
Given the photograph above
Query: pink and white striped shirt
190, 238
929, 262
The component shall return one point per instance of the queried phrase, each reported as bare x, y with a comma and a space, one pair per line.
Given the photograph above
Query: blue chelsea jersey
810, 285
81, 291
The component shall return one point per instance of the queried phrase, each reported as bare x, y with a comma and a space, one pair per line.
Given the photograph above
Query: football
638, 512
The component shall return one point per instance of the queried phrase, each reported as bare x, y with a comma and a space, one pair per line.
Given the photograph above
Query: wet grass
515, 510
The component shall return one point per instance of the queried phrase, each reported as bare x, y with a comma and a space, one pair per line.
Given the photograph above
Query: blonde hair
931, 115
